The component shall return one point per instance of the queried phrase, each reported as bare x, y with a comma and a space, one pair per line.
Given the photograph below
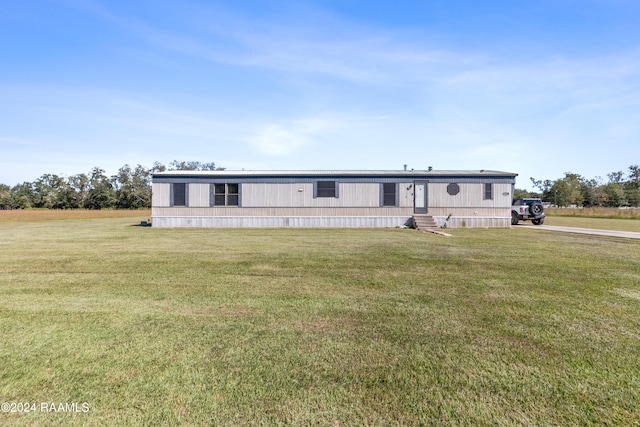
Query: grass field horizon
69, 214
331, 327
595, 212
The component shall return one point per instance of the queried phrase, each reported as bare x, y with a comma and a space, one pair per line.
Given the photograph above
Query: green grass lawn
325, 327
592, 222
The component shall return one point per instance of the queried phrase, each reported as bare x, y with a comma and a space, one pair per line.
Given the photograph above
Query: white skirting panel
279, 222
473, 222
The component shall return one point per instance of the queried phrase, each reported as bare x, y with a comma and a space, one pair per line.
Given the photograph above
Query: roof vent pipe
405, 167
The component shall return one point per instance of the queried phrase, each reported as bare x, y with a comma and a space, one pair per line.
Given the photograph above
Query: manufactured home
387, 198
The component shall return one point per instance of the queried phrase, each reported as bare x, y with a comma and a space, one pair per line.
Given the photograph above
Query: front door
420, 197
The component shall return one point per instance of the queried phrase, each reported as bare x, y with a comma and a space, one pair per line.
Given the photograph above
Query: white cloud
381, 94
275, 140
355, 54
284, 139
593, 81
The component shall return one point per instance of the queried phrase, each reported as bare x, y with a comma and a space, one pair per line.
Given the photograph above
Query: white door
420, 197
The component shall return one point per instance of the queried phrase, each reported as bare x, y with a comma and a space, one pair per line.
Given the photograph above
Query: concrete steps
424, 222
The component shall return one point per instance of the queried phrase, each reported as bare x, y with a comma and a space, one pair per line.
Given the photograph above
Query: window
488, 191
326, 189
179, 194
219, 194
225, 194
232, 194
453, 189
389, 194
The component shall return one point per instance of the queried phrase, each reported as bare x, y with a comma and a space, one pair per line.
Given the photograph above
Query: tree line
621, 189
129, 188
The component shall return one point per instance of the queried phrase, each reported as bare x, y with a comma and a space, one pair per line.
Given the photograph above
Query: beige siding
470, 196
160, 195
199, 195
405, 194
291, 195
470, 212
361, 195
301, 195
277, 195
357, 204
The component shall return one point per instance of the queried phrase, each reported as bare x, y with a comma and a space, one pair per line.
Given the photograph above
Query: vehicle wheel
536, 209
514, 218
538, 221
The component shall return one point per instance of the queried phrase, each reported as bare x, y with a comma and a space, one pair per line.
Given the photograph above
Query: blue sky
533, 87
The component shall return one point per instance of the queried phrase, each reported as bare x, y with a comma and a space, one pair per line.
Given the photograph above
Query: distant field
598, 218
596, 212
329, 327
53, 214
592, 222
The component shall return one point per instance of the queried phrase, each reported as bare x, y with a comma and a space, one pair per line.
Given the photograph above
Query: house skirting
321, 222
280, 221
472, 222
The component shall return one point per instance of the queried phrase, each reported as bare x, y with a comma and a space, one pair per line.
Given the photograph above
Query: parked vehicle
527, 209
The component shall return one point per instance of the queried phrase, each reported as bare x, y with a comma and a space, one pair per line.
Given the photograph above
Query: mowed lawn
317, 327
591, 222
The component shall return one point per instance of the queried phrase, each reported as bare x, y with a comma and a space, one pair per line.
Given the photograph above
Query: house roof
336, 173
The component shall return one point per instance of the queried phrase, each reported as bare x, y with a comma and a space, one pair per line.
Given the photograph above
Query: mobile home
386, 198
